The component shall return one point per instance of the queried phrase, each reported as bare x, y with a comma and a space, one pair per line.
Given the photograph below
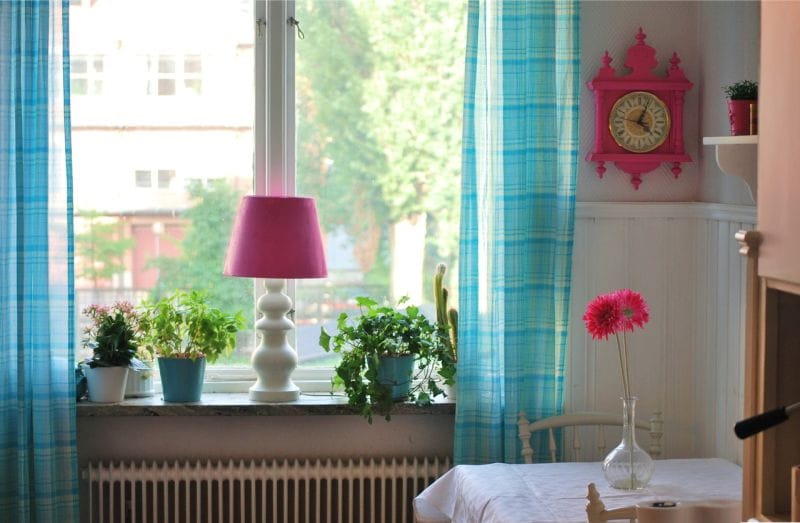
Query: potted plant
111, 335
185, 332
743, 107
447, 322
140, 375
388, 355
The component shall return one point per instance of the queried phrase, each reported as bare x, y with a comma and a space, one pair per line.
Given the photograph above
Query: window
164, 178
86, 75
170, 75
372, 130
136, 148
143, 179
379, 147
192, 69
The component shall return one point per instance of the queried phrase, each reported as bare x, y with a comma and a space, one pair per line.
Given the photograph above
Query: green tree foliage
337, 149
101, 247
203, 250
415, 109
379, 93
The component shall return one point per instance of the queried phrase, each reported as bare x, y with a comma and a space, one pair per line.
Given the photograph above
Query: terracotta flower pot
743, 115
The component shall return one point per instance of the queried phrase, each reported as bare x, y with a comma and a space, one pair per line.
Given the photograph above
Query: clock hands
644, 110
640, 124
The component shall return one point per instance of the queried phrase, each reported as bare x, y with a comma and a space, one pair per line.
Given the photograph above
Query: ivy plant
378, 332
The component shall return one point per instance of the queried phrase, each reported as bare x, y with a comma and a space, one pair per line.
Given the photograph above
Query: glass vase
628, 466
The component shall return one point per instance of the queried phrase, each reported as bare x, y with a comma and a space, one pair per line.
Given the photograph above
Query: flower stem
622, 365
627, 367
630, 407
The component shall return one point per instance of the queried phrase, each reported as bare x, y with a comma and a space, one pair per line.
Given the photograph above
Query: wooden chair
654, 427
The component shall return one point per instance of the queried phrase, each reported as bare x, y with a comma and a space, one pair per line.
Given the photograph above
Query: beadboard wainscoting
688, 361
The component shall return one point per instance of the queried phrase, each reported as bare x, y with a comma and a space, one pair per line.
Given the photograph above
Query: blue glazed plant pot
397, 372
182, 378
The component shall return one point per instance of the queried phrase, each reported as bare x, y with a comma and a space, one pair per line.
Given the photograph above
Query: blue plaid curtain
38, 457
520, 158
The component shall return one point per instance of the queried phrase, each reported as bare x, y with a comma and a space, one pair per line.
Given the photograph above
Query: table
556, 492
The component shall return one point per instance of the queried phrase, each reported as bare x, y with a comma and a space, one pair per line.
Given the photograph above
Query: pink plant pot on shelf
743, 115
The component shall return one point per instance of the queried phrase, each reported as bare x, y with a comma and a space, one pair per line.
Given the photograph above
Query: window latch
296, 23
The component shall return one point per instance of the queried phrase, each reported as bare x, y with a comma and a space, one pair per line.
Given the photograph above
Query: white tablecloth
556, 492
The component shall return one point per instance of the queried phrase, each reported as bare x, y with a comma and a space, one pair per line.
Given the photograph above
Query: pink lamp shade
276, 237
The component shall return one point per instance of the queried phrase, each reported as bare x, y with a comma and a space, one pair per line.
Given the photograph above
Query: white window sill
239, 404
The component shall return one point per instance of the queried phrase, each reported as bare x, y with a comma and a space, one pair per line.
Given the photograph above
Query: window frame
274, 164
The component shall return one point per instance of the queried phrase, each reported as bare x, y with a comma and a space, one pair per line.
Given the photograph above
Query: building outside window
377, 125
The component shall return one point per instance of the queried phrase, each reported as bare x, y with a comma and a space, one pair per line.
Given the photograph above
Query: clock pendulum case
639, 116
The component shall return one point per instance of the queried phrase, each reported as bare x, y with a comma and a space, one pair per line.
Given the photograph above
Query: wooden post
749, 242
796, 493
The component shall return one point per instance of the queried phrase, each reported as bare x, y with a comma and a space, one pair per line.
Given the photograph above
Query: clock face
639, 121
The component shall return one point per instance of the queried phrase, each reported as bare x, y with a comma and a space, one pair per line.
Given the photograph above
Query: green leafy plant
184, 325
744, 90
112, 335
383, 331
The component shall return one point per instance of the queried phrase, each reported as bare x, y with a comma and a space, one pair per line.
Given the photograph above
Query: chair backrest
654, 427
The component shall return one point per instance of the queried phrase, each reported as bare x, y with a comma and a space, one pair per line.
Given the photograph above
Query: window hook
261, 24
296, 23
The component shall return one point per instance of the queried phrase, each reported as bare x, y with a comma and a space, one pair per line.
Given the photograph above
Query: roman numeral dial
639, 121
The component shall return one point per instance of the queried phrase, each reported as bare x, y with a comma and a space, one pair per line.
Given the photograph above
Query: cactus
452, 316
447, 319
440, 294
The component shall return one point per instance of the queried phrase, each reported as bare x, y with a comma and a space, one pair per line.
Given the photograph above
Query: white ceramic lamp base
274, 359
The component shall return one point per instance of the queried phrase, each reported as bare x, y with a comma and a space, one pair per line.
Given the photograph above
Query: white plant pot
106, 384
140, 383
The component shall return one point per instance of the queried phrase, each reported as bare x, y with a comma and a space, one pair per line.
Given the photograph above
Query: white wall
612, 26
728, 35
240, 437
687, 361
718, 45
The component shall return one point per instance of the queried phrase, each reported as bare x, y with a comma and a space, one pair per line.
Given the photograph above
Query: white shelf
738, 156
731, 140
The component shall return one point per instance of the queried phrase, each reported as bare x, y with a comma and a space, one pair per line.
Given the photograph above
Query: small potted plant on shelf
388, 355
743, 107
185, 332
111, 335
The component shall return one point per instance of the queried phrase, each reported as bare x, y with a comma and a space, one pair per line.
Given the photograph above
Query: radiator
363, 491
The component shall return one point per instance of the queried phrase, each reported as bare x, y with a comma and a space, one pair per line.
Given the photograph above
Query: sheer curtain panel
38, 458
520, 158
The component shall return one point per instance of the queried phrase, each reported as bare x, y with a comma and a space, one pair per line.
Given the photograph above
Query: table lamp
275, 237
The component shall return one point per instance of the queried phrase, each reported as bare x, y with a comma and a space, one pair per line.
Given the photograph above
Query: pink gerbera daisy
603, 316
633, 308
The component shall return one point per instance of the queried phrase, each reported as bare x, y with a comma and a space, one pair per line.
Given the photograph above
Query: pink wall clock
638, 115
